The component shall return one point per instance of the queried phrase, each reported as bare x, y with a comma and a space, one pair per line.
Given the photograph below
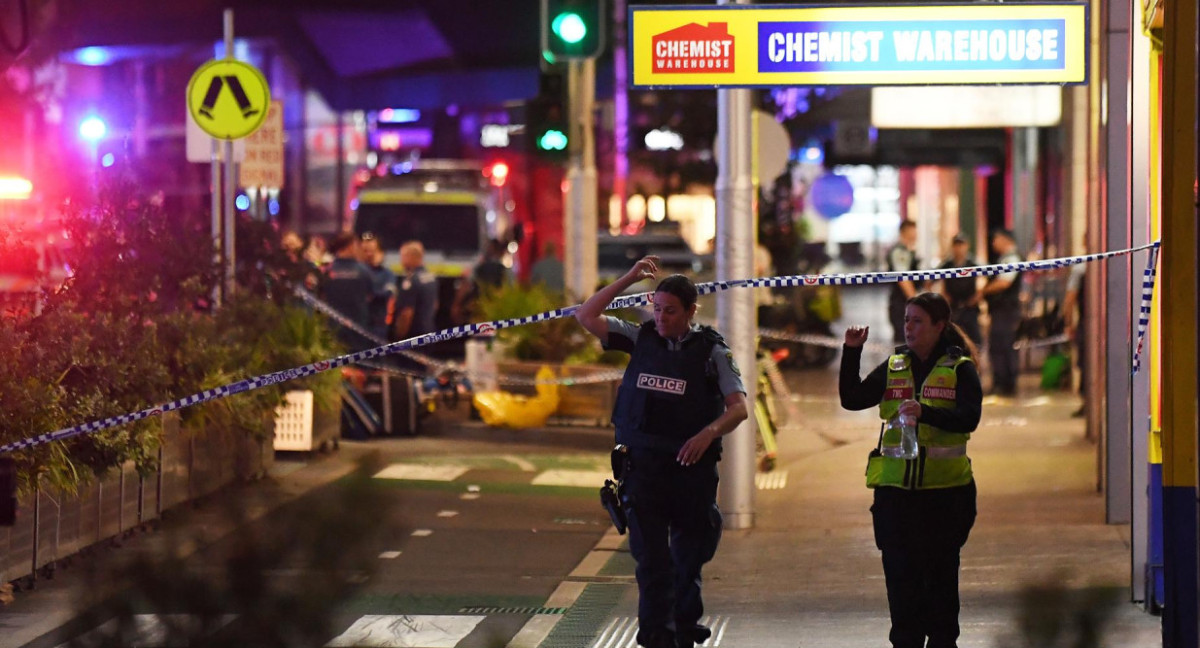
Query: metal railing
52, 526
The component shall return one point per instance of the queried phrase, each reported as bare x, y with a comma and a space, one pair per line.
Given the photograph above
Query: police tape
630, 301
440, 366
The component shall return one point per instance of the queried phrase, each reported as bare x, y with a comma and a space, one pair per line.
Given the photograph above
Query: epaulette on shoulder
712, 335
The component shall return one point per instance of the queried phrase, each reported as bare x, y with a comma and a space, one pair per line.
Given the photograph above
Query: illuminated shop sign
744, 45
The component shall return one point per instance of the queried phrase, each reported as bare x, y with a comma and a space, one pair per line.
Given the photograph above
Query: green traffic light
553, 140
570, 27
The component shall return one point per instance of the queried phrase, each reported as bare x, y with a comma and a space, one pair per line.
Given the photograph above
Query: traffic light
572, 29
546, 128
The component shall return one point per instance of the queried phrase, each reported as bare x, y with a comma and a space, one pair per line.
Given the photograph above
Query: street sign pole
736, 316
230, 255
579, 255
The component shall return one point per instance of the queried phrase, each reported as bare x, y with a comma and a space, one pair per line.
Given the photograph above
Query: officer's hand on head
645, 268
694, 448
856, 336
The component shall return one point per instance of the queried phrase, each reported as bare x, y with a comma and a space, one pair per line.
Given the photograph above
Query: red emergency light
15, 188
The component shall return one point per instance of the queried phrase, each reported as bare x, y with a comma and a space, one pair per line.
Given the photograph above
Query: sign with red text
263, 164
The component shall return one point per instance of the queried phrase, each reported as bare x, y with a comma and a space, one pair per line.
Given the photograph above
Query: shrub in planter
133, 327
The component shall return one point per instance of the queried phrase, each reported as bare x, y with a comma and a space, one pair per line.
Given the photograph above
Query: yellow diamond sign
228, 99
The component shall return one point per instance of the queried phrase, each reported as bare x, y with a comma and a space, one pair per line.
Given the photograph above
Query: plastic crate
294, 421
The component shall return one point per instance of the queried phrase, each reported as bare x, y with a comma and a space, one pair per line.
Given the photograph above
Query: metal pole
579, 203
215, 186
230, 180
620, 111
1117, 275
736, 316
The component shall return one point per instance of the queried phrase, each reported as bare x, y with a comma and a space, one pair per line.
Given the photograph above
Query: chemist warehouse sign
747, 45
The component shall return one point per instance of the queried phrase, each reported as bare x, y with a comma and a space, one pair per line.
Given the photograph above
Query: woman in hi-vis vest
924, 492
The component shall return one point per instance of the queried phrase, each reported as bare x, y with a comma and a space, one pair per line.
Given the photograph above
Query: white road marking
414, 472
774, 480
408, 631
524, 464
582, 478
621, 632
151, 631
447, 514
389, 555
422, 533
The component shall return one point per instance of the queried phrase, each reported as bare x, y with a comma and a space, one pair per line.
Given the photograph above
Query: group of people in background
1001, 293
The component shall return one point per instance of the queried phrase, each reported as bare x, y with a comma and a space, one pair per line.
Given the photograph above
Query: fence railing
52, 526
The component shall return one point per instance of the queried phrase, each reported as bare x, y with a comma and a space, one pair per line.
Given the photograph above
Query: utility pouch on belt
610, 493
875, 462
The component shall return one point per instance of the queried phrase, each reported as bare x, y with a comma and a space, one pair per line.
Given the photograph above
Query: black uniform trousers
920, 533
1004, 358
674, 528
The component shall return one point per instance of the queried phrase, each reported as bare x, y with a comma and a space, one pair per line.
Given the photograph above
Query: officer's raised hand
856, 336
645, 268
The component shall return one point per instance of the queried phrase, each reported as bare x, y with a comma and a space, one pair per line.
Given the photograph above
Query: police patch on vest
897, 382
903, 393
662, 384
942, 393
732, 363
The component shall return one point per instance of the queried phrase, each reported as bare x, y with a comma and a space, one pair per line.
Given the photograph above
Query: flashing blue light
273, 207
92, 129
813, 155
93, 56
399, 115
242, 202
354, 203
107, 160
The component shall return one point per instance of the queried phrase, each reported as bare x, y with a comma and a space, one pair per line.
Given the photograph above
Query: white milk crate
294, 421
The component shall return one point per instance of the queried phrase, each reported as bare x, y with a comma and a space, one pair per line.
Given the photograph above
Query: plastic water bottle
908, 436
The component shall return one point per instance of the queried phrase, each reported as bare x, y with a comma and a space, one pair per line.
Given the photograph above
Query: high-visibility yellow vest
942, 457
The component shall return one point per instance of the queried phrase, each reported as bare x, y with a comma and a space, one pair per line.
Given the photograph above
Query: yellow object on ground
504, 409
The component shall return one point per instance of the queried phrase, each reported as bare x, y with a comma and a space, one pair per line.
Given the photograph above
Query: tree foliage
134, 326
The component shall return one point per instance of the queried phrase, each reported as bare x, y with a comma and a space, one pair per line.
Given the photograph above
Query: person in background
417, 296
902, 258
348, 287
1003, 295
383, 299
491, 272
924, 508
548, 270
1073, 311
316, 253
293, 248
963, 293
682, 392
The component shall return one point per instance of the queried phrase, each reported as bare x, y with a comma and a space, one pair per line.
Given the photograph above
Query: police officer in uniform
681, 393
902, 258
1003, 295
348, 287
924, 507
416, 295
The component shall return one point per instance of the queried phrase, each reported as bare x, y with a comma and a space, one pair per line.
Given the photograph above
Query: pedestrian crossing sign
228, 99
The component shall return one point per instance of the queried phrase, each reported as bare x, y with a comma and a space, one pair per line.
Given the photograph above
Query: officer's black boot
698, 635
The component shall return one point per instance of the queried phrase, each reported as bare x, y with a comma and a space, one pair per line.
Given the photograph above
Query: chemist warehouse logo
694, 48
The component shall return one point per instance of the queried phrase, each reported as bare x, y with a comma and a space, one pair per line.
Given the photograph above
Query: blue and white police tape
866, 278
1147, 300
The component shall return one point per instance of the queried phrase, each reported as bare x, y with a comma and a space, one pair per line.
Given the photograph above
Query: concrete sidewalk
1041, 565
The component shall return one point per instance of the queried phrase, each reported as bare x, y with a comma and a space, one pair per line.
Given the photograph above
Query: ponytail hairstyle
939, 311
